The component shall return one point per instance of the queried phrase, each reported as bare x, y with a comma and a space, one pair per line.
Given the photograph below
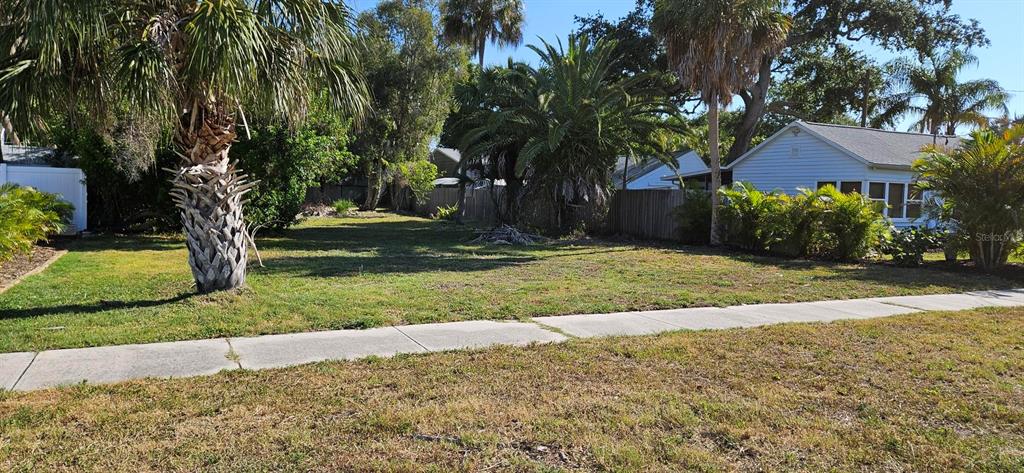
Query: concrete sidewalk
28, 371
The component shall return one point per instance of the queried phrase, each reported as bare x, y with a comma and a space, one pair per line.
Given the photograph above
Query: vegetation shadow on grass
101, 306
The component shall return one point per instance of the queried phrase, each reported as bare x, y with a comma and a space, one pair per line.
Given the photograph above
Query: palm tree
193, 65
979, 188
947, 102
716, 48
477, 22
565, 126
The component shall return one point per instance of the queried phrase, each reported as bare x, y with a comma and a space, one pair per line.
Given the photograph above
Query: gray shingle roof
881, 147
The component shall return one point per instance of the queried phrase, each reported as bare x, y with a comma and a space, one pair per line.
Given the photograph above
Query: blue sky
1003, 21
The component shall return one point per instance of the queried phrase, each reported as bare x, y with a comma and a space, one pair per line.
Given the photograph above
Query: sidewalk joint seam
904, 306
22, 375
410, 338
232, 354
670, 324
552, 329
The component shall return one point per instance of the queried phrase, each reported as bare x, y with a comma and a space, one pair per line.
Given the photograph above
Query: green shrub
28, 216
344, 206
820, 224
446, 213
287, 162
845, 226
753, 220
693, 217
420, 176
907, 246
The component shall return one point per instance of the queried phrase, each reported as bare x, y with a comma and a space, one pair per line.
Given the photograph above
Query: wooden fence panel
637, 213
648, 213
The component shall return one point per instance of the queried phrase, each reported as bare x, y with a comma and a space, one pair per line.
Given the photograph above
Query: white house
875, 163
26, 166
652, 173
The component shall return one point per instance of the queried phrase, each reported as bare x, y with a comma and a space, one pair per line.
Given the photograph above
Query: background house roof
880, 147
634, 170
26, 155
446, 160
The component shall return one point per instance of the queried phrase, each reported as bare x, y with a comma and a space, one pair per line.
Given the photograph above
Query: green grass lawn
922, 392
387, 269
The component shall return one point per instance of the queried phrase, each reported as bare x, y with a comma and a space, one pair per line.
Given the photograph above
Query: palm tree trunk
482, 43
716, 169
208, 192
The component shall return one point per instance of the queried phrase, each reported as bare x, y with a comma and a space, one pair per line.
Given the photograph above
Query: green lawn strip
921, 392
387, 270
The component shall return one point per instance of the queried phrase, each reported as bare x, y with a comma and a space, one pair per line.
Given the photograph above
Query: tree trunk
208, 192
11, 134
480, 52
374, 185
716, 169
754, 103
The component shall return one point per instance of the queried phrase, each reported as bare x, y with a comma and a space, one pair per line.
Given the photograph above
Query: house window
897, 197
913, 202
901, 200
825, 183
849, 187
876, 191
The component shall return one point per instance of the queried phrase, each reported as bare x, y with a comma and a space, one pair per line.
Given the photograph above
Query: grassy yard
924, 392
387, 269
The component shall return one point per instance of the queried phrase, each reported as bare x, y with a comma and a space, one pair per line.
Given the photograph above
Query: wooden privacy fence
648, 213
479, 203
637, 213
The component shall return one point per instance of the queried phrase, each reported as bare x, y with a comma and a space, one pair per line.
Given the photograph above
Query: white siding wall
792, 162
68, 183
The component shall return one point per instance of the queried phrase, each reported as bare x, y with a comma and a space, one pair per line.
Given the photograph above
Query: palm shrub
845, 226
196, 66
28, 216
753, 220
823, 224
575, 121
979, 188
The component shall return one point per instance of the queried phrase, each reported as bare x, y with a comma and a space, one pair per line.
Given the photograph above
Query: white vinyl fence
68, 183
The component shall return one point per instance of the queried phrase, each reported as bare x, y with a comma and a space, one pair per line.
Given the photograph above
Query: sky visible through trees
1001, 19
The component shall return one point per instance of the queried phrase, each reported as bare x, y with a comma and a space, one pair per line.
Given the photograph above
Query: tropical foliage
907, 246
195, 66
716, 48
474, 23
28, 216
573, 120
979, 187
932, 92
824, 224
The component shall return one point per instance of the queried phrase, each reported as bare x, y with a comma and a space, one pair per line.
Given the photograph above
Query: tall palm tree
566, 125
947, 103
716, 48
193, 64
477, 22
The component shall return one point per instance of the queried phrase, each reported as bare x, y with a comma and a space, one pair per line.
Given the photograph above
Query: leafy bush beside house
824, 224
979, 188
28, 216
